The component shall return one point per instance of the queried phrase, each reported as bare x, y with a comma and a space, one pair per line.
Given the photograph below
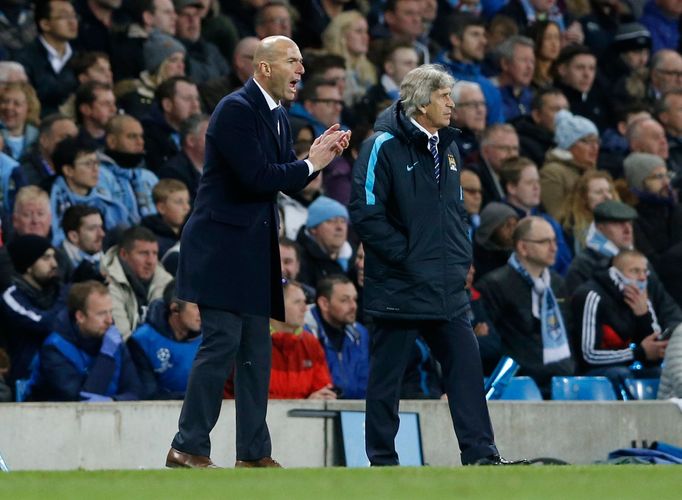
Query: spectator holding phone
623, 317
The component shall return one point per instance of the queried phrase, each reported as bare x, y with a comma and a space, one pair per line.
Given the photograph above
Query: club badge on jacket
451, 162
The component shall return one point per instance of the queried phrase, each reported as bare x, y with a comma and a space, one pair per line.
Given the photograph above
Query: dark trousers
454, 345
228, 338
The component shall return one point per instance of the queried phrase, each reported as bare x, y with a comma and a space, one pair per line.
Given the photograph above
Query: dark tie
433, 147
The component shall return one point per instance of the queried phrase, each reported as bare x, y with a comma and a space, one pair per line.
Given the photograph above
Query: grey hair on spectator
10, 68
496, 128
191, 125
420, 83
506, 49
461, 85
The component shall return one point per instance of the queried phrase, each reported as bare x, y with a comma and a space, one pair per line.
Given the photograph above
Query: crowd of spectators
569, 126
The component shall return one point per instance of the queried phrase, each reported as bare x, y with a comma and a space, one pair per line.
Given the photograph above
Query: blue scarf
545, 308
596, 240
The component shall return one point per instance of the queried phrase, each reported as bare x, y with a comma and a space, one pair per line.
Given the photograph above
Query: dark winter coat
414, 229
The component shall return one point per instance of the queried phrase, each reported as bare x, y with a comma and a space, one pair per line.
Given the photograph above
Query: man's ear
80, 317
323, 303
72, 236
166, 105
67, 170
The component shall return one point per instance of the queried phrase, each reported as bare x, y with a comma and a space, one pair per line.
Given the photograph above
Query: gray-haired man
406, 206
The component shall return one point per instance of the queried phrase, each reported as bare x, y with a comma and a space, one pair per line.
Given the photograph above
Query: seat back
642, 388
582, 388
522, 388
498, 380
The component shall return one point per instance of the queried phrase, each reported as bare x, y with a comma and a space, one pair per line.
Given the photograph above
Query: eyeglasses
66, 17
661, 176
670, 72
87, 163
472, 190
471, 104
544, 241
335, 102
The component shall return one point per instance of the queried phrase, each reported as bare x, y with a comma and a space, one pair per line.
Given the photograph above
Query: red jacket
299, 367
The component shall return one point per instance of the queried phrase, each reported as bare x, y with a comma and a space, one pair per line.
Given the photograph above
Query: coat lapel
264, 112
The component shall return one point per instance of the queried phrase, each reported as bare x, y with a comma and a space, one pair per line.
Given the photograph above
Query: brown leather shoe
179, 459
263, 462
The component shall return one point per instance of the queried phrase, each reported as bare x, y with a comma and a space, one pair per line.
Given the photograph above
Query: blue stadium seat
642, 388
522, 388
498, 380
582, 388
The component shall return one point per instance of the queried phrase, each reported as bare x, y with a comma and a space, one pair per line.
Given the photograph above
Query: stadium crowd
569, 126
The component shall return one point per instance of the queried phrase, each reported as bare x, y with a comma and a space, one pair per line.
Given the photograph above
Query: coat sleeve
22, 318
587, 306
234, 132
370, 194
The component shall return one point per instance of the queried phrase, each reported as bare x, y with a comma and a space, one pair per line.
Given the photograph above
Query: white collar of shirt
428, 134
271, 102
56, 61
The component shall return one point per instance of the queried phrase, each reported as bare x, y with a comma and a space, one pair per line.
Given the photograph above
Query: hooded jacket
414, 228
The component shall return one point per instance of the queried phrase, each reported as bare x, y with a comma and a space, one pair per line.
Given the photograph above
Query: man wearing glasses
320, 105
527, 305
658, 227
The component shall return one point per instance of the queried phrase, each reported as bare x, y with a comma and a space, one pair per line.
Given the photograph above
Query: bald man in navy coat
229, 254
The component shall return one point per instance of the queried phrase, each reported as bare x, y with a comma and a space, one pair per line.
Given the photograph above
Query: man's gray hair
461, 85
418, 84
506, 49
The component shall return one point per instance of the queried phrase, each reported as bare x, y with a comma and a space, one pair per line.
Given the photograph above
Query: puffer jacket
414, 229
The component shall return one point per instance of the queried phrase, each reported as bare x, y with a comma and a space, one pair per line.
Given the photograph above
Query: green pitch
534, 482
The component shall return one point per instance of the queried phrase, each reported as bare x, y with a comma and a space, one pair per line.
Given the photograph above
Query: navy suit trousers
228, 338
454, 345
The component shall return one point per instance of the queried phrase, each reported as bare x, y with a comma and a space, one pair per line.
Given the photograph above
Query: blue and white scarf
596, 240
545, 308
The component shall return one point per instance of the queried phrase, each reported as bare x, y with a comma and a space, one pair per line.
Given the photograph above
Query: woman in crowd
591, 189
347, 36
20, 117
547, 38
577, 140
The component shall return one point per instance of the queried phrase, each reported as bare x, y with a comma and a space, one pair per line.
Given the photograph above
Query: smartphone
665, 334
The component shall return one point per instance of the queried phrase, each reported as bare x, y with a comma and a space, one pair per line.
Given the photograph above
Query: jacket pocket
233, 219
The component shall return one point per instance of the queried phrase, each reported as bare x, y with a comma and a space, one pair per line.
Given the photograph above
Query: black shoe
498, 460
